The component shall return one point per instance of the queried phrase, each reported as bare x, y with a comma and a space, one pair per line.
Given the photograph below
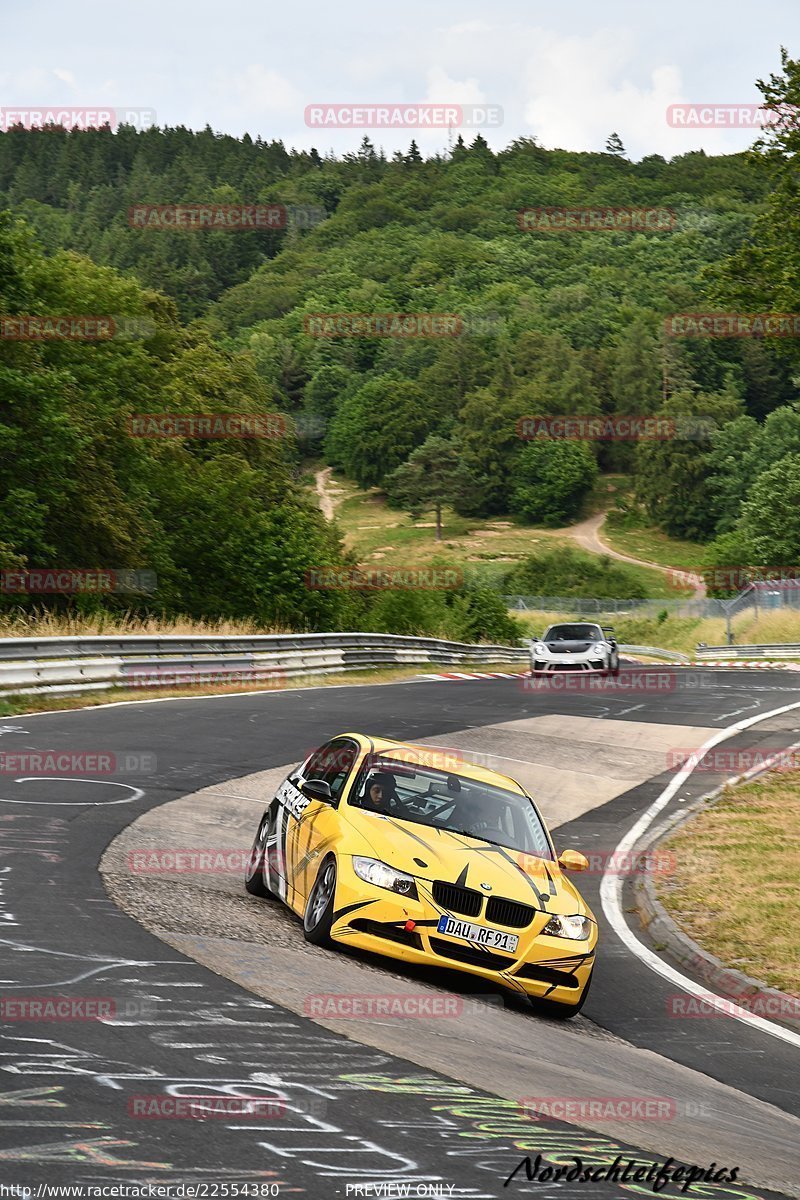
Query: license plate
494, 939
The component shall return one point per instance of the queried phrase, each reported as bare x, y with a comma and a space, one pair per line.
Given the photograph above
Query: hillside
513, 320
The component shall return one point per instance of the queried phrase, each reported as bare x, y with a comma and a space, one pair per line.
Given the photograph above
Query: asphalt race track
346, 1118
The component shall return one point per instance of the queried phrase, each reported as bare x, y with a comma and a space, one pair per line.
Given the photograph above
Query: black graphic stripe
401, 826
342, 912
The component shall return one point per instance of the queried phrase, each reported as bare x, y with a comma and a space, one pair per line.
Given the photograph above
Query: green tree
671, 473
614, 146
377, 427
770, 521
551, 481
431, 478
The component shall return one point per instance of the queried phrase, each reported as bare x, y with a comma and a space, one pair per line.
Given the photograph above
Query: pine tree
614, 146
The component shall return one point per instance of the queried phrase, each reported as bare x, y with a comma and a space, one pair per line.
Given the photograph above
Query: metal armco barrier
657, 652
780, 650
67, 666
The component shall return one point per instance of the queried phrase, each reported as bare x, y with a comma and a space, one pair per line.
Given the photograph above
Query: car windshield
443, 800
573, 633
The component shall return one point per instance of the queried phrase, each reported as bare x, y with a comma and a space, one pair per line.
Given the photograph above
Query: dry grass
736, 889
48, 624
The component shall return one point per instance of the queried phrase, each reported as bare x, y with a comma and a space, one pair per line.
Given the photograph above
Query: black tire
614, 667
318, 917
254, 870
561, 1012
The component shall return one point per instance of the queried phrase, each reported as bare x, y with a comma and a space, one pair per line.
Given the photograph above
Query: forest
497, 318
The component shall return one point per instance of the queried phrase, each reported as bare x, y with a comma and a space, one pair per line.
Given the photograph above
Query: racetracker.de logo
591, 220
438, 758
380, 579
735, 578
206, 1107
771, 1006
76, 118
627, 682
736, 759
78, 763
57, 1008
57, 580
199, 675
219, 860
613, 862
351, 1006
731, 116
403, 116
638, 427
383, 325
206, 425
732, 325
598, 1108
230, 217
58, 328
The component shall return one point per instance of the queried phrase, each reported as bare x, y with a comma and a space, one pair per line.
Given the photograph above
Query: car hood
432, 854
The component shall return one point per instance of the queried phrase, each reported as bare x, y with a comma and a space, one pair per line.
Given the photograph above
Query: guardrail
69, 666
657, 652
763, 650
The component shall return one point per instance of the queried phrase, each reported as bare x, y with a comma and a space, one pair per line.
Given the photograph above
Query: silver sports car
579, 647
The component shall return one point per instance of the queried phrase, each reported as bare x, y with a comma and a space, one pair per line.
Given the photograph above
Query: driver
380, 793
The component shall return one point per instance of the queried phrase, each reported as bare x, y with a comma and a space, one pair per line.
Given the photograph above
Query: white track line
611, 891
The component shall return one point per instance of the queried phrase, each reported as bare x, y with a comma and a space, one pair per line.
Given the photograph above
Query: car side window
332, 763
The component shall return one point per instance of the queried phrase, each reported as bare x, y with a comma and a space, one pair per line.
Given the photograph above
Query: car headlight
371, 870
539, 647
576, 928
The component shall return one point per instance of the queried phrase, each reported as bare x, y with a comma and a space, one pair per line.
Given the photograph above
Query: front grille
457, 899
468, 954
392, 933
509, 912
548, 975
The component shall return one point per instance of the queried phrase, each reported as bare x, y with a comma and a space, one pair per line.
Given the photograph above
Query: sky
565, 73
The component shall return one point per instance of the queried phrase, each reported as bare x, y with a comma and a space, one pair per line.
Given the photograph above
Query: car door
315, 826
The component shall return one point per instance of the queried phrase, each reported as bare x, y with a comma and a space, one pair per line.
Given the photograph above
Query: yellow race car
415, 853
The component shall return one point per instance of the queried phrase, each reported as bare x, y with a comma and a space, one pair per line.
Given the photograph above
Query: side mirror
317, 789
573, 860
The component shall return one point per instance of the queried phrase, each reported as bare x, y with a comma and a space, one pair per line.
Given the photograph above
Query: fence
754, 596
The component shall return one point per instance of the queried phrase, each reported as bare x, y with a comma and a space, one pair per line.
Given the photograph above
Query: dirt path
587, 535
326, 501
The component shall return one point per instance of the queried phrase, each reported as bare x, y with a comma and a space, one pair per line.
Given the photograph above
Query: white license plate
494, 939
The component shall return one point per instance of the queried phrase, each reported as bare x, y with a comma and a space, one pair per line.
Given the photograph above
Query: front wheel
318, 917
561, 1012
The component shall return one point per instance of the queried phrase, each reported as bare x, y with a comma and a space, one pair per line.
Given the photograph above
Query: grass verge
736, 888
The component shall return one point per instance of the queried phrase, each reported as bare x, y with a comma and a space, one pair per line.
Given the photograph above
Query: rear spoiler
607, 628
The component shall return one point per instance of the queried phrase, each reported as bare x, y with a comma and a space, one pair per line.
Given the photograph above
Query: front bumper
541, 967
569, 662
